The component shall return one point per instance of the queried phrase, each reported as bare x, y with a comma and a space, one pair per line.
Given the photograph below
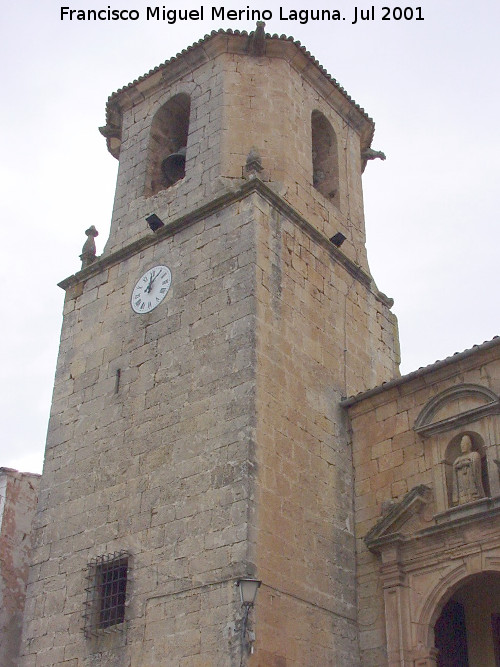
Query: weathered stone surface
18, 496
403, 463
205, 438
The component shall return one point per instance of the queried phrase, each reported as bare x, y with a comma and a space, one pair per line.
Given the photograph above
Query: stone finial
89, 251
253, 164
257, 43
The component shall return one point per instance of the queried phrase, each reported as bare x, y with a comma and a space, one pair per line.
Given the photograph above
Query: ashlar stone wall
242, 103
131, 206
269, 102
157, 466
402, 488
320, 333
18, 496
206, 438
219, 450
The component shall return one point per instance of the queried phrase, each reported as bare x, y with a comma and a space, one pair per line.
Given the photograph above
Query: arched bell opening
168, 144
325, 161
467, 630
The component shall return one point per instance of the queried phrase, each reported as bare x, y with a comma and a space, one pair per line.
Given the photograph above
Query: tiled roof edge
243, 33
457, 356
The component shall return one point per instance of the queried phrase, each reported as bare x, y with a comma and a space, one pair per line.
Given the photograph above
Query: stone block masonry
204, 441
392, 460
320, 335
221, 451
18, 496
161, 467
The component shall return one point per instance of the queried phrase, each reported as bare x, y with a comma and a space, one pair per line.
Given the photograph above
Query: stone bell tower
196, 436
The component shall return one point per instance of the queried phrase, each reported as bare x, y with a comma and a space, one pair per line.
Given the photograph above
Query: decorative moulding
388, 528
222, 201
426, 427
479, 507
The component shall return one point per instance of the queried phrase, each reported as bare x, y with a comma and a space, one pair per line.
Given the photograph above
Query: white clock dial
151, 289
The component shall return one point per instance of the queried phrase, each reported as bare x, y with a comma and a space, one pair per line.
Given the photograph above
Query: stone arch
474, 394
442, 593
168, 143
325, 158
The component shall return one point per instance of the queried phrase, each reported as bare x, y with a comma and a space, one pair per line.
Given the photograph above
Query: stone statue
467, 483
89, 250
257, 44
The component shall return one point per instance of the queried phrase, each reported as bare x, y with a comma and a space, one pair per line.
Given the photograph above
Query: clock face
151, 289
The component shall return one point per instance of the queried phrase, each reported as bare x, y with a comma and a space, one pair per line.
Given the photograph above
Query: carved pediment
455, 407
403, 519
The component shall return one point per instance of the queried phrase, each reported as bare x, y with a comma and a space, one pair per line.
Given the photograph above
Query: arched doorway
467, 631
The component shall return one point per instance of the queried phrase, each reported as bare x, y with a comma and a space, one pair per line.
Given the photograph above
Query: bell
173, 166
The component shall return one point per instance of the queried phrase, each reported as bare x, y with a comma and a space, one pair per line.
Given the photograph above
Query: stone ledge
254, 185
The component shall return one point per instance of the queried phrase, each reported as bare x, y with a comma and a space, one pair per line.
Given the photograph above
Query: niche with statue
460, 427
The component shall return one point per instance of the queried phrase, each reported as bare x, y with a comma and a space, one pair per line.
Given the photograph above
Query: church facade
200, 438
427, 499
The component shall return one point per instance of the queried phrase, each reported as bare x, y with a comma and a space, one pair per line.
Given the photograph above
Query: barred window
106, 593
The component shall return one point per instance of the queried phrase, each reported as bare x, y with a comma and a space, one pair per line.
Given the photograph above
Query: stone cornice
412, 502
426, 430
254, 185
461, 516
468, 390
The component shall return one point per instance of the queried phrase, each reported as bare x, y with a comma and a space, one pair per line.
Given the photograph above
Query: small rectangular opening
106, 593
112, 592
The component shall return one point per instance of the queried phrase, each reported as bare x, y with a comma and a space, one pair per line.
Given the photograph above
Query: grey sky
431, 207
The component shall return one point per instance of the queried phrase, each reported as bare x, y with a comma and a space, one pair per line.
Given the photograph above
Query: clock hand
152, 278
150, 284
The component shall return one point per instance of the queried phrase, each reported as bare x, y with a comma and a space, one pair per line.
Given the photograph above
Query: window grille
106, 593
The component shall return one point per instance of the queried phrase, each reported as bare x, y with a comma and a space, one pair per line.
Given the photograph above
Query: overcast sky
432, 87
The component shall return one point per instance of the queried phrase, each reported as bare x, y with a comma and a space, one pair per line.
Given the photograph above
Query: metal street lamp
248, 592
